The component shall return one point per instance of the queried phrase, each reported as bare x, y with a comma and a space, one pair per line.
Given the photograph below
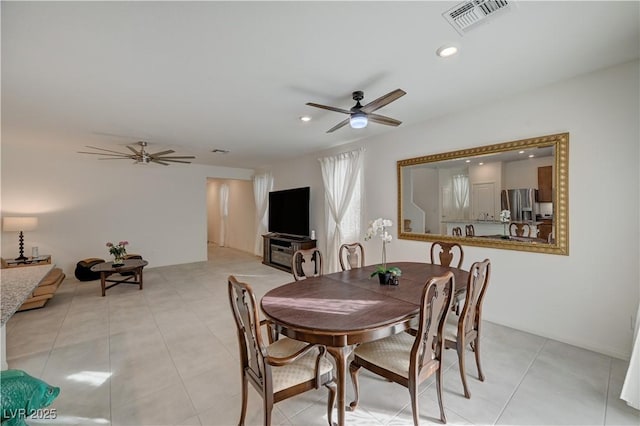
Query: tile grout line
506, 404
606, 396
110, 366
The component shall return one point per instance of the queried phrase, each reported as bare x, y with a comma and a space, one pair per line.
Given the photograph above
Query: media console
278, 249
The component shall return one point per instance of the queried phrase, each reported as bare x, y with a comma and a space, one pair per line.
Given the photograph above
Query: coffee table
107, 269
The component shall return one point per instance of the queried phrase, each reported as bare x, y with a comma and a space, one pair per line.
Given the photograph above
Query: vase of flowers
505, 218
118, 252
378, 228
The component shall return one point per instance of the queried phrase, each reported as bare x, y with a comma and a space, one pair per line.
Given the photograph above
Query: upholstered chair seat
303, 370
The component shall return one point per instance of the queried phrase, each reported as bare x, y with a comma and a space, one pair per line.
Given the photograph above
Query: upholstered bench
45, 290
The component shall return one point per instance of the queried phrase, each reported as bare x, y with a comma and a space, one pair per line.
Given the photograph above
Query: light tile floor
167, 355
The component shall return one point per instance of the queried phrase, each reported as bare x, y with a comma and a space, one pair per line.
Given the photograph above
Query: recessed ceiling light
468, 161
521, 152
446, 51
531, 155
305, 118
481, 164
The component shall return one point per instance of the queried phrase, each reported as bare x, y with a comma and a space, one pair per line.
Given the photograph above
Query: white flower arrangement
505, 216
378, 228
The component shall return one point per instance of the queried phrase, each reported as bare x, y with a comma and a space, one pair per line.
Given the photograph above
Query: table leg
341, 355
140, 277
103, 282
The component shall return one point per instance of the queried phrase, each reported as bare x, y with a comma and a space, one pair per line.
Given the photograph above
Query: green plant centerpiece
118, 251
378, 227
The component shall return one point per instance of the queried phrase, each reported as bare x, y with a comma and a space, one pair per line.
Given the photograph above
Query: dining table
344, 309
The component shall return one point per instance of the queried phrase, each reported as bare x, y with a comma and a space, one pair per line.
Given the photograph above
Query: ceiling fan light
358, 120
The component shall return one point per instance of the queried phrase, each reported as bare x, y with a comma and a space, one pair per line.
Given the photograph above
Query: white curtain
340, 175
461, 195
262, 185
631, 388
224, 212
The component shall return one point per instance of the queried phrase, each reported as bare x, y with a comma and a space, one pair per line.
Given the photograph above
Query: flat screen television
289, 211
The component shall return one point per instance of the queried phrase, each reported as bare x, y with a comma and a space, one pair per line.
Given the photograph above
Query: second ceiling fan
359, 115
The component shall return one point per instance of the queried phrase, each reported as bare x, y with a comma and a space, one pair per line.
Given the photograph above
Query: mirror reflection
511, 195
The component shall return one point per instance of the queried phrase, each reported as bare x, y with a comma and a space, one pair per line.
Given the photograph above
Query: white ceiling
194, 76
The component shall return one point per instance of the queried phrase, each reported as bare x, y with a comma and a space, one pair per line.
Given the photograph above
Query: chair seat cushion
391, 353
451, 327
300, 371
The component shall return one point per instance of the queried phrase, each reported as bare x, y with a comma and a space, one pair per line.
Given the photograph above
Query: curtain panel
262, 185
340, 174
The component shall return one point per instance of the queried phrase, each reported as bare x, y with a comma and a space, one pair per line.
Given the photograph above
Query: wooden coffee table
107, 269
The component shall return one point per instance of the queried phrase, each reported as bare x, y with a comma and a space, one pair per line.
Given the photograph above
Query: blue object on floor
22, 395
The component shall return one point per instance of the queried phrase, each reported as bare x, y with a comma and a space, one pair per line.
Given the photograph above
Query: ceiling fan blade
340, 124
102, 153
158, 154
381, 119
153, 160
173, 156
172, 160
107, 150
136, 152
330, 108
117, 158
383, 100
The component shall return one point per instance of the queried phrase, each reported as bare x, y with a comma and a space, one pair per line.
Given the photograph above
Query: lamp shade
19, 223
358, 120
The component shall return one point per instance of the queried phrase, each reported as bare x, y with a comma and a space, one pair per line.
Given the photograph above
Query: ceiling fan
359, 116
140, 156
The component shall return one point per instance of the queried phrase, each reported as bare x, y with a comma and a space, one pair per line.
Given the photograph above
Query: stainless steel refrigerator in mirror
520, 202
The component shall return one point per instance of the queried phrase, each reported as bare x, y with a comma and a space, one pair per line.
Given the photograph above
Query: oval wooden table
130, 265
344, 309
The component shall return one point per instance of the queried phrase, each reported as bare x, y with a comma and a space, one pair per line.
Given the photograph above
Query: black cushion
83, 269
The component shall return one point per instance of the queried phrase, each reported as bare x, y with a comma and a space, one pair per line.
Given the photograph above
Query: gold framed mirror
461, 195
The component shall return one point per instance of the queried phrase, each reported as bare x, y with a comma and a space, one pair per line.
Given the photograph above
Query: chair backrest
519, 229
351, 256
434, 306
476, 289
446, 254
469, 231
457, 231
306, 263
252, 349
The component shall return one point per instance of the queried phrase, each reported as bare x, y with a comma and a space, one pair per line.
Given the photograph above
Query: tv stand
278, 249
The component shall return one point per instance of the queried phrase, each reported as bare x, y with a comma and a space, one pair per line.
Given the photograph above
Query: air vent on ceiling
468, 14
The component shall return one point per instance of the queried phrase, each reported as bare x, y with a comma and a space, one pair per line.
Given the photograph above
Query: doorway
231, 213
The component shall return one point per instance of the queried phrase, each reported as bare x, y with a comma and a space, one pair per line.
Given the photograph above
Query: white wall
82, 203
241, 221
523, 173
586, 298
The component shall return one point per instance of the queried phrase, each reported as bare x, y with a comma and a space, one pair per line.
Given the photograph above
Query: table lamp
20, 224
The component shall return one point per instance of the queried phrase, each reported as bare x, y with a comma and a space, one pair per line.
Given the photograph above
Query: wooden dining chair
443, 253
519, 229
456, 232
306, 263
280, 370
465, 328
469, 231
351, 256
407, 359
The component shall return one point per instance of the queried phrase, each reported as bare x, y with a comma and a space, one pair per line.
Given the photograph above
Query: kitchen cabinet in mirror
441, 193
